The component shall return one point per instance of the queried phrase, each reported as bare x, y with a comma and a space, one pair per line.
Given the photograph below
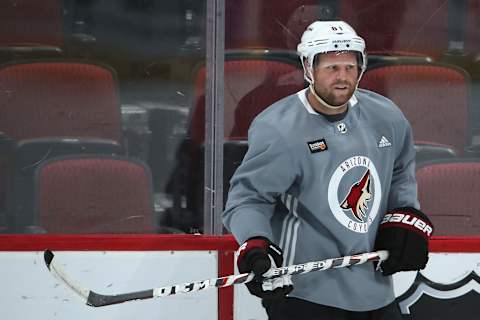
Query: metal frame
214, 118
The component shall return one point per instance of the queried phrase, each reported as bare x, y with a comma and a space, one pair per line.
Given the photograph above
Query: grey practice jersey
319, 189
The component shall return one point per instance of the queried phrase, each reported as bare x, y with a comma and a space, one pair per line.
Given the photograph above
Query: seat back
448, 194
102, 194
31, 153
31, 23
433, 97
59, 99
252, 82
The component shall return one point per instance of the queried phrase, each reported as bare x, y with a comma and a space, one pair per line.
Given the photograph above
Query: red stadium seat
59, 99
448, 193
433, 97
31, 153
101, 194
253, 81
31, 27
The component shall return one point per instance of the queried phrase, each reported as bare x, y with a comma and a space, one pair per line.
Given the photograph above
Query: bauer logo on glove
405, 233
407, 220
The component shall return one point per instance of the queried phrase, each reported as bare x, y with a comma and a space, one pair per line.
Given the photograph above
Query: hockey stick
99, 300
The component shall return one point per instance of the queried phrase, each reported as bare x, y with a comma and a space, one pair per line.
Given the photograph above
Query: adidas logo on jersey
384, 142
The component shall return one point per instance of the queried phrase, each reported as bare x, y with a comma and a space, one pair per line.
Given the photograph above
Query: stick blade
96, 300
100, 300
48, 256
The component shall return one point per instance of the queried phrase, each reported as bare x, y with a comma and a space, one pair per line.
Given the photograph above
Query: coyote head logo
358, 196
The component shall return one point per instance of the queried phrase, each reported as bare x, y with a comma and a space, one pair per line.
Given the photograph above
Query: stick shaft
99, 300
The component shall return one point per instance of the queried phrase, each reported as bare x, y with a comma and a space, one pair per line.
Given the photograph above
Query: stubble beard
334, 98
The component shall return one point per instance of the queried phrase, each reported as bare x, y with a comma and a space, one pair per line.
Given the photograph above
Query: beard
333, 96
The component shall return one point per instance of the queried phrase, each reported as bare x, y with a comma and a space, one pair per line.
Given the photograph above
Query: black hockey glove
260, 255
404, 232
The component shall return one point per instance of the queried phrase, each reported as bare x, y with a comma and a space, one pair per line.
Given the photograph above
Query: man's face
335, 76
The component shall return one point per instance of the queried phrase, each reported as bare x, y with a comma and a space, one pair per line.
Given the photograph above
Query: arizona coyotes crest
354, 193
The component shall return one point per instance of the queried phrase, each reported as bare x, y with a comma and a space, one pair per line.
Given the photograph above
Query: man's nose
342, 72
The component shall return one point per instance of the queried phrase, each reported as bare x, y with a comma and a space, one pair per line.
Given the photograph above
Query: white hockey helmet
329, 36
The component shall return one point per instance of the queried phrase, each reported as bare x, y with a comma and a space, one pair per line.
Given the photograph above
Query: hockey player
329, 172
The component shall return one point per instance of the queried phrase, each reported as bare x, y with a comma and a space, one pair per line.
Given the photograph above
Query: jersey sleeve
403, 189
266, 172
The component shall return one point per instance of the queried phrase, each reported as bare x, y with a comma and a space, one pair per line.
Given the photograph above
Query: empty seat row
111, 194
